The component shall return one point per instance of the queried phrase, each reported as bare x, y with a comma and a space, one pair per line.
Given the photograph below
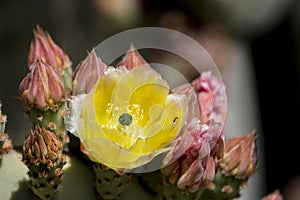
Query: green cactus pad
109, 184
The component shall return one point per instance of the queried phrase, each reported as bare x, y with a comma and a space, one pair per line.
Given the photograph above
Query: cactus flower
240, 156
42, 87
191, 163
44, 48
133, 59
129, 117
87, 74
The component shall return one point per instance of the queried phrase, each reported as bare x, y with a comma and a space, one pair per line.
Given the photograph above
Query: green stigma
125, 119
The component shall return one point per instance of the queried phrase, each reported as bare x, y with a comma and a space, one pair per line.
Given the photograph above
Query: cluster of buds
196, 165
46, 87
44, 91
192, 162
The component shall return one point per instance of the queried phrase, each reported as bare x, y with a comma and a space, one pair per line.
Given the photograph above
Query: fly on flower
128, 118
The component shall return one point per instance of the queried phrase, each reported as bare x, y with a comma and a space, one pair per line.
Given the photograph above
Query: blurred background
255, 44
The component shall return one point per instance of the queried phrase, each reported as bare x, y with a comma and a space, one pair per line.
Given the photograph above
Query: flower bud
211, 97
133, 59
41, 147
240, 156
191, 162
273, 196
87, 73
42, 87
44, 48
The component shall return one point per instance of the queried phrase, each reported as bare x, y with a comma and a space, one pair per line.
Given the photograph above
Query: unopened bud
192, 161
87, 73
41, 147
133, 59
44, 48
42, 87
240, 156
211, 97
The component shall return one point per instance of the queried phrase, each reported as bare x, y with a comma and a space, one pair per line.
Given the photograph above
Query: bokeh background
255, 44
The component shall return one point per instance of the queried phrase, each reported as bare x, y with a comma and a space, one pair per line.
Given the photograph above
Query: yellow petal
176, 106
142, 88
103, 95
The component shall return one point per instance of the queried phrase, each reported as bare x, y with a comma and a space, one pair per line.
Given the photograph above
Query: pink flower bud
42, 87
44, 48
191, 162
211, 97
240, 156
87, 73
133, 59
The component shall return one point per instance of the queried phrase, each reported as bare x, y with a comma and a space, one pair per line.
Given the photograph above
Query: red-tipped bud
87, 73
273, 196
211, 97
133, 59
240, 156
44, 48
43, 87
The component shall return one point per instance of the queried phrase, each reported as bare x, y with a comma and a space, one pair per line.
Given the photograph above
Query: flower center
125, 119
